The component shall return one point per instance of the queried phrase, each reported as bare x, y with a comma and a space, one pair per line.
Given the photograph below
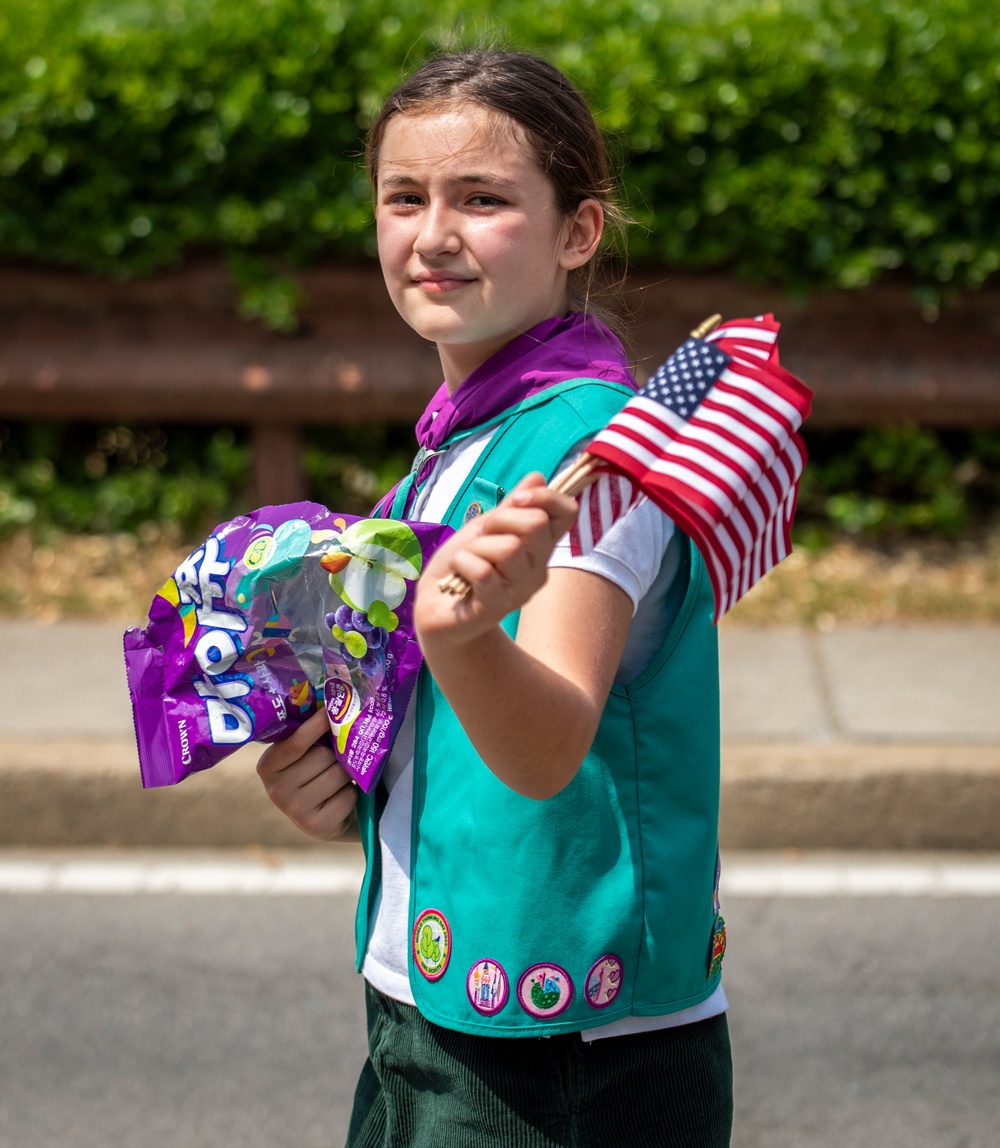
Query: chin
449, 330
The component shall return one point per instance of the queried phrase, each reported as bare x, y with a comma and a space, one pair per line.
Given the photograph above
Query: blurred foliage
884, 483
805, 142
89, 479
898, 481
350, 468
265, 293
183, 480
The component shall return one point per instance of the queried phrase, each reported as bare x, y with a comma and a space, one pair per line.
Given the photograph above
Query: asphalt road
174, 1021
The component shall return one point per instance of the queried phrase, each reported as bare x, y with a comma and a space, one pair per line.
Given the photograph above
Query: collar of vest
527, 404
595, 401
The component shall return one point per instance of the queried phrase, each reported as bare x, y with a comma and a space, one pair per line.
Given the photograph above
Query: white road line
842, 876
849, 878
124, 875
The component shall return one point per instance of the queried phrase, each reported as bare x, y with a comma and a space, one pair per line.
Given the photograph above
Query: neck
459, 360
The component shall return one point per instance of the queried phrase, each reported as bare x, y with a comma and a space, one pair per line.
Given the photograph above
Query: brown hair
557, 123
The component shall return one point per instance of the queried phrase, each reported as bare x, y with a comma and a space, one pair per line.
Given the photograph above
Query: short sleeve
630, 554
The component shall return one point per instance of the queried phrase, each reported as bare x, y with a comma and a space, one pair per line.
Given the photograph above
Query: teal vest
528, 917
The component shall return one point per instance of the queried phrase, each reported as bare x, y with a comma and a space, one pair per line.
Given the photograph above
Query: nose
439, 232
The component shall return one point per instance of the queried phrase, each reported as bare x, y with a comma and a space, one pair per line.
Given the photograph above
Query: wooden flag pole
706, 327
574, 480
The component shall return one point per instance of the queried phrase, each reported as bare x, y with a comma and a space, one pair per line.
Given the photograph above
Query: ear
584, 227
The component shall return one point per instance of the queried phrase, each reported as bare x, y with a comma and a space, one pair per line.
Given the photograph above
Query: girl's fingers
440, 562
497, 548
289, 767
322, 806
527, 523
514, 561
503, 571
306, 783
284, 754
531, 513
481, 573
503, 555
532, 505
305, 792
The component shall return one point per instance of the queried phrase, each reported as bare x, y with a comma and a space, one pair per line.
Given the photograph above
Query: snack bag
279, 611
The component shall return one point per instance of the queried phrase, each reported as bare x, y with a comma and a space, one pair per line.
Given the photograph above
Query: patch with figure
604, 981
544, 991
487, 987
718, 949
473, 510
431, 944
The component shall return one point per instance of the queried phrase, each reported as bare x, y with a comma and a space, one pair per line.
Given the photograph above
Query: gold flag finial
707, 327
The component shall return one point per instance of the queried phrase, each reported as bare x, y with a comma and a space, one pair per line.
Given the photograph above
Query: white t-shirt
640, 553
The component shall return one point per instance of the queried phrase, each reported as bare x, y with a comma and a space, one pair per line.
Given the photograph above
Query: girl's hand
502, 555
305, 782
557, 674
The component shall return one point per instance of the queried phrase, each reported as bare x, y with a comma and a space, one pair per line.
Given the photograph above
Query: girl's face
473, 248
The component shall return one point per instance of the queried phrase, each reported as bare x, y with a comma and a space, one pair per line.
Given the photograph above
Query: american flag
713, 440
601, 505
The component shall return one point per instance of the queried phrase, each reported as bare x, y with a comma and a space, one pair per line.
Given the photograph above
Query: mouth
438, 283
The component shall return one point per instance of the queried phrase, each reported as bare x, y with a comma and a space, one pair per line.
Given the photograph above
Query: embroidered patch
431, 944
487, 987
718, 950
544, 990
473, 510
604, 981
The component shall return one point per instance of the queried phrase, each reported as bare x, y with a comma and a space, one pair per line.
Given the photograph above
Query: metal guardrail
173, 348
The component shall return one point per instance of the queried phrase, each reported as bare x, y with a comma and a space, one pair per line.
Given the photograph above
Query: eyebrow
479, 179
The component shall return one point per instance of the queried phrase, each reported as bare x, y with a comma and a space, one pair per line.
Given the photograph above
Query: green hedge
81, 478
889, 482
805, 143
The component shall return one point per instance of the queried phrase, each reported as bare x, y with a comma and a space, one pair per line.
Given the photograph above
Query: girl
538, 926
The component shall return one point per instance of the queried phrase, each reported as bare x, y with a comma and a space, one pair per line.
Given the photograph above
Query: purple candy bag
278, 611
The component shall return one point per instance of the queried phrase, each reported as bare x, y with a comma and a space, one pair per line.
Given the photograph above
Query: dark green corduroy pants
425, 1086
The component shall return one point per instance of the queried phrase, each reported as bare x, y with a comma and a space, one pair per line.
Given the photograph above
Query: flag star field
687, 377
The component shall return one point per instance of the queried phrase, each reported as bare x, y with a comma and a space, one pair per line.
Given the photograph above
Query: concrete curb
860, 796
774, 795
885, 737
90, 793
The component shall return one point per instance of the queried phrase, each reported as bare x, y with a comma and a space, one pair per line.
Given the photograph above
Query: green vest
528, 917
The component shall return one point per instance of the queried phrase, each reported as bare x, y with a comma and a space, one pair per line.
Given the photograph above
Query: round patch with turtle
544, 990
431, 944
487, 987
604, 981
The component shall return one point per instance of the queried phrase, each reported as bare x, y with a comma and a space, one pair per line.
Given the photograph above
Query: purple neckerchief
564, 347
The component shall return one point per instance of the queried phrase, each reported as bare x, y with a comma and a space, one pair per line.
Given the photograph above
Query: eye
484, 199
405, 199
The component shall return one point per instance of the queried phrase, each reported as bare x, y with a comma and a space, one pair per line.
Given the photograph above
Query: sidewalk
876, 738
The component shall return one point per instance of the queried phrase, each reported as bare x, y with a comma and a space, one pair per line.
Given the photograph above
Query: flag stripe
601, 505
754, 389
741, 407
699, 431
704, 456
697, 445
713, 440
653, 465
715, 428
727, 544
